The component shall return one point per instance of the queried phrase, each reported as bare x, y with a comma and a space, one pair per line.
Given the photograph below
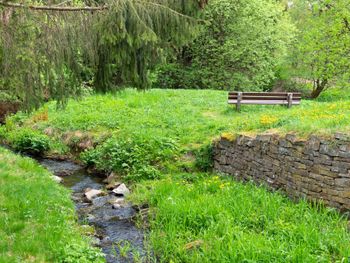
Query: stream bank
115, 230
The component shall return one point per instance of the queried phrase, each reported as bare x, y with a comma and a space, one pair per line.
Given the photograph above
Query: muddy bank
111, 215
7, 108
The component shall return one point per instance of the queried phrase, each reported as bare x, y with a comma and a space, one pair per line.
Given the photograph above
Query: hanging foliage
47, 52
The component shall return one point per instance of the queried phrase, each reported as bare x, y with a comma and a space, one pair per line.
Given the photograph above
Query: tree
239, 47
47, 50
322, 52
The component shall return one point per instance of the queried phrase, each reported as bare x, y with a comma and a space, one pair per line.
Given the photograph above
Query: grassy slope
37, 217
237, 222
194, 116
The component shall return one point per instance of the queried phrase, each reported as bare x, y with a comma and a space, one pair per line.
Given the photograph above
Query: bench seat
264, 98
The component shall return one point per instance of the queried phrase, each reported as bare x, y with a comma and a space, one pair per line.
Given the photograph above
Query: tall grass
37, 217
212, 219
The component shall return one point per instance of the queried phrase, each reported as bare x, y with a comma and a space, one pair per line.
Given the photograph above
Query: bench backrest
268, 98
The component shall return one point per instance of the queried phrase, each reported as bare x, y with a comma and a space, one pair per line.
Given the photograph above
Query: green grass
37, 217
148, 135
235, 222
193, 116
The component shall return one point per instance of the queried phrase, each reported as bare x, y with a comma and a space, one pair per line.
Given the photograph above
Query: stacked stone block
316, 168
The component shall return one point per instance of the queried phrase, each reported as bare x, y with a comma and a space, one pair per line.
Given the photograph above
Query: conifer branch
167, 8
54, 8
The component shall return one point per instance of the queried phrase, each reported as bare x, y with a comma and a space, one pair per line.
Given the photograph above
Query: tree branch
54, 8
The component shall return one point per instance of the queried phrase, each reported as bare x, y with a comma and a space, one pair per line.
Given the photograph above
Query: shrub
136, 158
176, 76
204, 158
28, 141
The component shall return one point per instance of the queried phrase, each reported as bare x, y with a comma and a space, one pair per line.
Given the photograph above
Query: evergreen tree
47, 51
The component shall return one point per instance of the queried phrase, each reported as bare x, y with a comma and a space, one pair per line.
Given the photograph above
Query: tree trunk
319, 86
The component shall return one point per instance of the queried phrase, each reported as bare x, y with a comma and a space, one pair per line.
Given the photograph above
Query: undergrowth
135, 158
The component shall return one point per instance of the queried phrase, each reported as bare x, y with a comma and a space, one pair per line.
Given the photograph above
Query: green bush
204, 158
176, 76
29, 141
135, 158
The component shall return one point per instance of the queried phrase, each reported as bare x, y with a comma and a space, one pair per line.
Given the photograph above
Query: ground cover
207, 218
164, 136
37, 218
162, 126
192, 116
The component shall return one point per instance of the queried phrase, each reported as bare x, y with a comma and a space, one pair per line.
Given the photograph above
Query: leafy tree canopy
239, 47
322, 50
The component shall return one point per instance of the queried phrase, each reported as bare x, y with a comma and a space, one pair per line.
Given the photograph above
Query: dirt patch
7, 108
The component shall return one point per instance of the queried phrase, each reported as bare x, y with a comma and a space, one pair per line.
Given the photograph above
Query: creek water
116, 232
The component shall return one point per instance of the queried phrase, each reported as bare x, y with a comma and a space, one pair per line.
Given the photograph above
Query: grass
198, 218
37, 217
192, 116
201, 218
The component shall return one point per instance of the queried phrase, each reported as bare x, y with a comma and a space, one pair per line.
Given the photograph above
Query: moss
228, 136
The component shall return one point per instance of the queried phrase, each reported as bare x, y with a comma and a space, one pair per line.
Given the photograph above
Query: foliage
176, 76
37, 216
29, 141
204, 158
50, 55
321, 53
135, 158
239, 47
236, 222
79, 252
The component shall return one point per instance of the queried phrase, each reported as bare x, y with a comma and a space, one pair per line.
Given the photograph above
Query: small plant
29, 141
136, 158
124, 248
74, 253
204, 158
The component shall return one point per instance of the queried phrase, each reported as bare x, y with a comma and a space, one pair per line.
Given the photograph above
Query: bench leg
239, 99
238, 107
290, 99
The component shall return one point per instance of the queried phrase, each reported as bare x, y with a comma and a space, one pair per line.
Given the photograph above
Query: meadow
159, 141
191, 116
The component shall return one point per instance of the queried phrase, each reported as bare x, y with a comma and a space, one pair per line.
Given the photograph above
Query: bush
176, 76
135, 158
28, 141
204, 158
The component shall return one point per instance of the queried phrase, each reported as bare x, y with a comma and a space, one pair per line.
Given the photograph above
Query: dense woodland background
52, 50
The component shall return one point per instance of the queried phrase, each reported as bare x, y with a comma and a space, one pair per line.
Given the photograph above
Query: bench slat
264, 102
265, 93
263, 98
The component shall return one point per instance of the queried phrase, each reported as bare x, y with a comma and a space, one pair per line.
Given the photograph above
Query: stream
116, 232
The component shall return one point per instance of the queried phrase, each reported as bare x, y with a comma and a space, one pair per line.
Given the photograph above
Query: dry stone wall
315, 168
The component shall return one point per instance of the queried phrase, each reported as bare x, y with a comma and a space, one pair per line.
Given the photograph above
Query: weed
26, 140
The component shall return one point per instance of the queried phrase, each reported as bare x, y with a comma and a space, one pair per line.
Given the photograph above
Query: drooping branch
58, 7
54, 8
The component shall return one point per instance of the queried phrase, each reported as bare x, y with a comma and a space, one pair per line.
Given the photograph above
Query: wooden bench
264, 98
